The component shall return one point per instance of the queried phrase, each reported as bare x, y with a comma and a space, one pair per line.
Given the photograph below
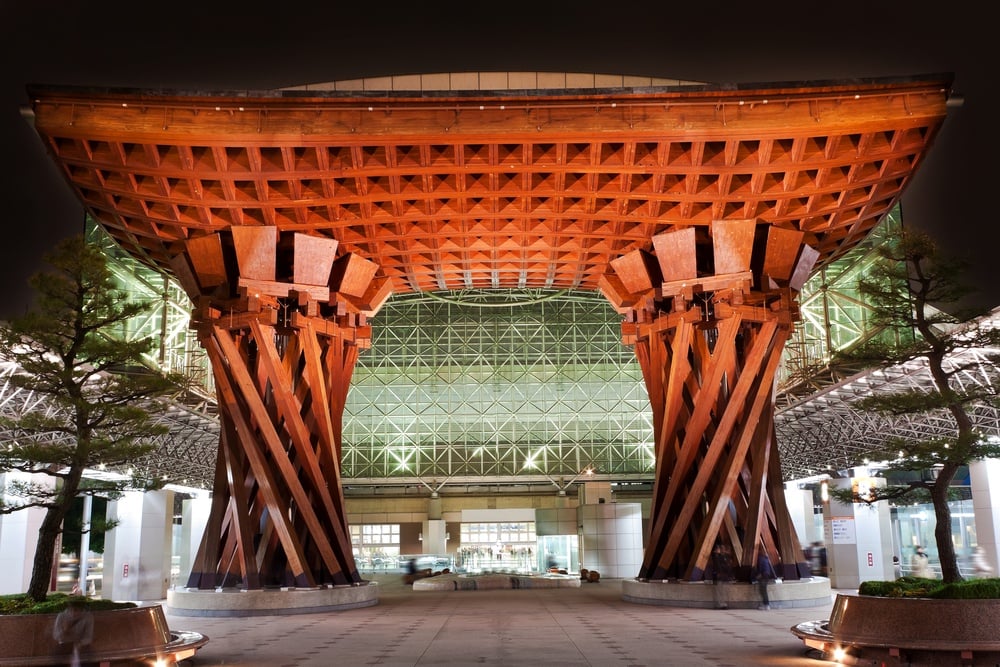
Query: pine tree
917, 295
98, 395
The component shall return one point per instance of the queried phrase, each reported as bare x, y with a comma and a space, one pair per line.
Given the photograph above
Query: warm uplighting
839, 654
824, 491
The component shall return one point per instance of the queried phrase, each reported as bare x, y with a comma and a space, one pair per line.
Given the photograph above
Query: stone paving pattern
589, 626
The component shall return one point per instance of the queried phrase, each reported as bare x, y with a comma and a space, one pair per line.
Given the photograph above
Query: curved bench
121, 636
918, 629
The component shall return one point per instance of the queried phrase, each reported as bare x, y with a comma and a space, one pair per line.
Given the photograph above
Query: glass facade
561, 552
375, 545
505, 545
496, 385
914, 525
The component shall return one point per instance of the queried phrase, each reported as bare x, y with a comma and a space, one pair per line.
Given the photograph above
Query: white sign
843, 531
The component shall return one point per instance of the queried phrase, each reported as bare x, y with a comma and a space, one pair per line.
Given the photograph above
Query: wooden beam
313, 259
255, 251
223, 348
732, 242
638, 271
803, 268
781, 252
351, 274
205, 253
676, 253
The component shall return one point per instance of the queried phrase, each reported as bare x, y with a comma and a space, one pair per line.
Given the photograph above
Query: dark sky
235, 46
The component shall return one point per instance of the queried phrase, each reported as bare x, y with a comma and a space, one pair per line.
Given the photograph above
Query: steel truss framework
846, 435
470, 387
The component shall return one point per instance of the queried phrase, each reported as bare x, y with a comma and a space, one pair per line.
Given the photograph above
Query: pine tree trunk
942, 527
48, 534
41, 570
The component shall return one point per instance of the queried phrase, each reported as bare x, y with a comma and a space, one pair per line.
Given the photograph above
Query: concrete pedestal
810, 592
269, 602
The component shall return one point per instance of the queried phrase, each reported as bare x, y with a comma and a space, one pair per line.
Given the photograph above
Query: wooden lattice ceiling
459, 190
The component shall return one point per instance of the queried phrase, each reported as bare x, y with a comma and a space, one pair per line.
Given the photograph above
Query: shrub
20, 603
916, 587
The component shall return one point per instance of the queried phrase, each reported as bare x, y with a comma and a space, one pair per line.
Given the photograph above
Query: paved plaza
575, 627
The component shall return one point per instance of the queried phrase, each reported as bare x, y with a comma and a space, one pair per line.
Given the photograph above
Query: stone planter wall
916, 631
119, 635
916, 622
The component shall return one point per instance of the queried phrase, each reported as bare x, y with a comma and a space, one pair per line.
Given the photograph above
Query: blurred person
920, 565
980, 565
74, 625
764, 575
722, 574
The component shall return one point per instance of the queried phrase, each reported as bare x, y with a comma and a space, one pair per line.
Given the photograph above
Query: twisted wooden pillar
709, 316
282, 354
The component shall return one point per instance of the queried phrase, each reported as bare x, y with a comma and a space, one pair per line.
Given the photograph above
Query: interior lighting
824, 491
839, 654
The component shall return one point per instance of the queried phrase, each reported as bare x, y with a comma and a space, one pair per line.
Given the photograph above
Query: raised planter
863, 628
122, 636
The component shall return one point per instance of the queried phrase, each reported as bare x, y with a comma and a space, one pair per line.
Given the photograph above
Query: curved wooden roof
492, 189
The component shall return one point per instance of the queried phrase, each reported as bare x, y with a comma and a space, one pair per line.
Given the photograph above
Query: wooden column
709, 344
282, 320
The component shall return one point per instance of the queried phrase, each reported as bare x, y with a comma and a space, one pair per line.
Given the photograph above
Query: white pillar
800, 507
137, 551
434, 537
858, 537
611, 538
985, 481
87, 520
194, 518
18, 537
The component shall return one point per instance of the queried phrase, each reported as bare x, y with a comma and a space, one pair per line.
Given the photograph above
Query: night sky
243, 46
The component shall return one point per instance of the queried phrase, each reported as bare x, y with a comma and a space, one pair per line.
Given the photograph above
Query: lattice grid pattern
458, 390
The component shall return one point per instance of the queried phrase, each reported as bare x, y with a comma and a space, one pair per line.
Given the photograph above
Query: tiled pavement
588, 626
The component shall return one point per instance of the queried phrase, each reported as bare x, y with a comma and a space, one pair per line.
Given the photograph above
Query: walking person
980, 565
722, 574
74, 626
920, 565
764, 575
